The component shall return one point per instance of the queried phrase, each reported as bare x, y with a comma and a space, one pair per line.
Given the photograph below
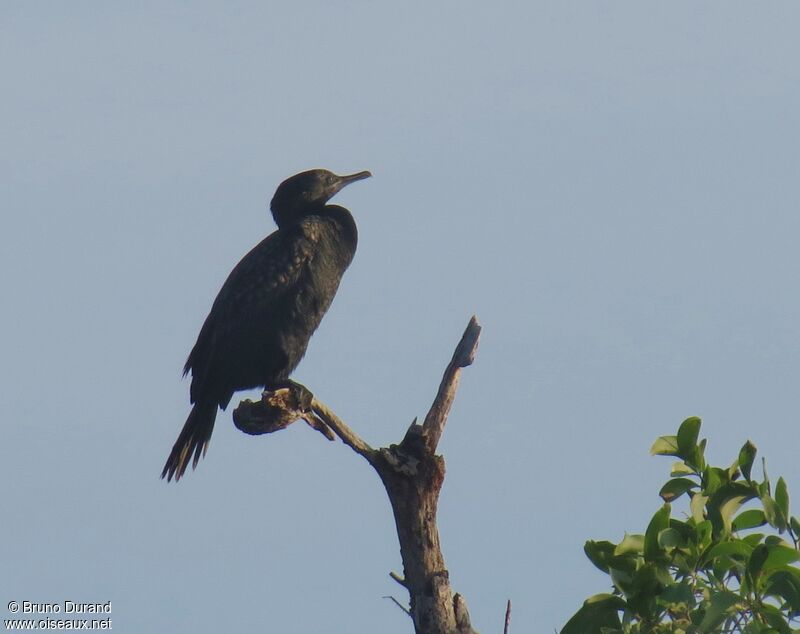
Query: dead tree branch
464, 355
412, 474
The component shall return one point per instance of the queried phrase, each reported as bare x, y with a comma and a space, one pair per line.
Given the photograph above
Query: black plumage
270, 305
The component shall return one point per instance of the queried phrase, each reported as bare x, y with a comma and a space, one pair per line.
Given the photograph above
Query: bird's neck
347, 224
286, 215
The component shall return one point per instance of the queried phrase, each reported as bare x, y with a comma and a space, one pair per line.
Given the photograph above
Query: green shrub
722, 567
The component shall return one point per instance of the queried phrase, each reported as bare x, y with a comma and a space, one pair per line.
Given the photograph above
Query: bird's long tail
192, 441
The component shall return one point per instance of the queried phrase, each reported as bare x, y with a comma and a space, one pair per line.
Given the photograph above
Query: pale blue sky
611, 187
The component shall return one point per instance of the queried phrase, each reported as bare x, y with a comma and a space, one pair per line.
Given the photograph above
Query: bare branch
315, 422
399, 605
508, 617
398, 579
348, 436
464, 355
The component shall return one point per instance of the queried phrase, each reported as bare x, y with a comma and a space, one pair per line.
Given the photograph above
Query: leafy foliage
716, 571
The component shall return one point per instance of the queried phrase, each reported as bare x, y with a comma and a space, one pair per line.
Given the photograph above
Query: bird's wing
262, 277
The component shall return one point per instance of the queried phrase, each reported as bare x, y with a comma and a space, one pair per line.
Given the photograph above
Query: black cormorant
270, 305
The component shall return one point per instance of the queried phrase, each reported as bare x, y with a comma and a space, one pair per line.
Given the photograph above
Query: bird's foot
280, 406
299, 395
302, 395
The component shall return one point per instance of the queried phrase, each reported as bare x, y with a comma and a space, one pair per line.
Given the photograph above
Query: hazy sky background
610, 186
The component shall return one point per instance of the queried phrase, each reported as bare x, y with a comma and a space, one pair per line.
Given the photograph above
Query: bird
274, 299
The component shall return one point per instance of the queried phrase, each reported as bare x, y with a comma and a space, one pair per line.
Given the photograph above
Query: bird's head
307, 192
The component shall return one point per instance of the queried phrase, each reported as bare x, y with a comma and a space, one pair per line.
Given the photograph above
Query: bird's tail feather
192, 441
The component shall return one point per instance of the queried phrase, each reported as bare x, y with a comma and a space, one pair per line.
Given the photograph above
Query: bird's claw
302, 396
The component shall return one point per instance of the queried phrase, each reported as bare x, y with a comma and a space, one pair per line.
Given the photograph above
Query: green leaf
782, 497
736, 549
726, 558
648, 582
725, 502
773, 512
670, 538
764, 488
795, 524
665, 446
598, 612
687, 436
622, 579
757, 559
721, 605
703, 532
753, 539
630, 544
747, 454
682, 562
599, 553
780, 556
713, 479
680, 468
774, 618
678, 593
698, 507
686, 529
658, 523
785, 584
675, 488
749, 519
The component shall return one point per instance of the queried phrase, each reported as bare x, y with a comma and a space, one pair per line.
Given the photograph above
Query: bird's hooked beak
352, 178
